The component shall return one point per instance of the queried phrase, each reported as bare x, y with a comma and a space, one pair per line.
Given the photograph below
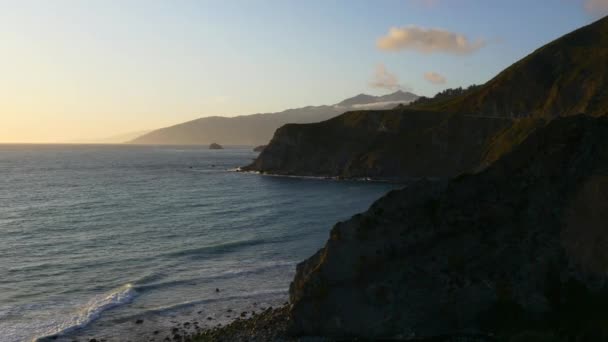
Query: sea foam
91, 311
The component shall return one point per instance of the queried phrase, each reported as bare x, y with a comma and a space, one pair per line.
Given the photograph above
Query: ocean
94, 238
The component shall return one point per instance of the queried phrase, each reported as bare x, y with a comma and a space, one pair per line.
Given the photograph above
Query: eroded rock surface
521, 245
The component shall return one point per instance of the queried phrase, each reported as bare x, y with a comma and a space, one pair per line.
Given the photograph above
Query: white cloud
598, 7
383, 79
435, 78
425, 40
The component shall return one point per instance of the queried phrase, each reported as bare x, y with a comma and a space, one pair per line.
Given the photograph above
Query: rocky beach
259, 324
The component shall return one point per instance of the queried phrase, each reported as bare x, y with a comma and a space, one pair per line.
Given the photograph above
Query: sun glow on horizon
81, 71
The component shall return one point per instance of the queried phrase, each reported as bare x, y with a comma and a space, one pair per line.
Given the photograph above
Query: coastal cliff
516, 252
503, 238
448, 135
519, 246
393, 144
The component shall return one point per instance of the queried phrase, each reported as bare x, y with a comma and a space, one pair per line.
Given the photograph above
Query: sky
74, 70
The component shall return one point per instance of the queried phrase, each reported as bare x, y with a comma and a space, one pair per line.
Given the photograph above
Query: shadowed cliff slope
391, 144
520, 246
452, 134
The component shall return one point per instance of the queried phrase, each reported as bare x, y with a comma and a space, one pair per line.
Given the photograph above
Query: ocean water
93, 237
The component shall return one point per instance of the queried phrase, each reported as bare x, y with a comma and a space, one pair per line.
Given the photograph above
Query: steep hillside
257, 129
521, 246
459, 130
393, 144
567, 76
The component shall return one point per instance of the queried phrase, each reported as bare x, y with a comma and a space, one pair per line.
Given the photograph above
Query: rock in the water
522, 244
215, 146
259, 148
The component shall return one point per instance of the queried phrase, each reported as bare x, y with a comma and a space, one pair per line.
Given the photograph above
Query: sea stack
259, 148
215, 146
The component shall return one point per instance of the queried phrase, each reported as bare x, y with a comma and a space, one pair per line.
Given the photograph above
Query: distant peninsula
215, 146
257, 129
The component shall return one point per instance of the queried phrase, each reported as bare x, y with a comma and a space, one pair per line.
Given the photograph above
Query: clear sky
72, 70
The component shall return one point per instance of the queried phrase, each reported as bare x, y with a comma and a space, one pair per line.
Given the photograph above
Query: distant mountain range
258, 129
460, 130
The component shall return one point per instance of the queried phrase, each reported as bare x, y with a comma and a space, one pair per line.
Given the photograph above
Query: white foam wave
92, 310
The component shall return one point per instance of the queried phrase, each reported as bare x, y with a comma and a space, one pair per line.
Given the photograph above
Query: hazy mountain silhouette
257, 129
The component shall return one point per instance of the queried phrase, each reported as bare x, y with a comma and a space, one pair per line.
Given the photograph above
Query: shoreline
271, 324
333, 178
181, 324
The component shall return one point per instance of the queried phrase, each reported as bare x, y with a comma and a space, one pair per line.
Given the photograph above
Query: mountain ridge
572, 65
565, 77
257, 129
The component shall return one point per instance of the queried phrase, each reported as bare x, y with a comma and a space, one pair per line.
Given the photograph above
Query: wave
248, 295
227, 274
217, 170
227, 247
235, 272
91, 311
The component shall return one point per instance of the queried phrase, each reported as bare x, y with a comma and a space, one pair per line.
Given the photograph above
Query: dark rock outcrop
215, 146
269, 325
522, 245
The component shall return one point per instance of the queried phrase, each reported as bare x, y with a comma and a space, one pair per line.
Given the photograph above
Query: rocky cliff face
394, 144
521, 245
